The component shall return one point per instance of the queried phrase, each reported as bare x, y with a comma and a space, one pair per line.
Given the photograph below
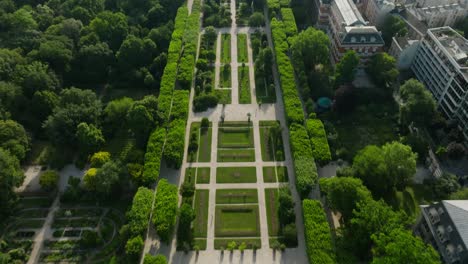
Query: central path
234, 65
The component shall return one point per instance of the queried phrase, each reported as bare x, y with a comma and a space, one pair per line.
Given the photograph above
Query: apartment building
348, 30
444, 225
441, 63
376, 10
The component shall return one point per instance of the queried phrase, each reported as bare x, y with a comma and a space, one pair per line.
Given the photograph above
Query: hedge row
165, 209
292, 103
140, 212
167, 88
289, 22
319, 141
180, 104
317, 233
153, 156
304, 163
273, 5
174, 147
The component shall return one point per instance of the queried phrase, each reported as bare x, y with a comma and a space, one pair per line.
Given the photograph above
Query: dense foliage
319, 244
153, 156
418, 105
319, 141
11, 176
139, 213
165, 209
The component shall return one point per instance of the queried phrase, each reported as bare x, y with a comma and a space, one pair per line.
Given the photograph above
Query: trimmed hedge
289, 22
153, 156
174, 147
180, 104
319, 141
165, 209
292, 102
304, 163
318, 238
273, 6
140, 212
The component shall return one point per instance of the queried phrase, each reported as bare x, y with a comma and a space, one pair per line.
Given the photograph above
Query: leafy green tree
400, 246
10, 96
35, 76
418, 105
13, 138
256, 20
139, 213
57, 54
344, 193
372, 217
158, 259
210, 35
21, 20
107, 177
134, 247
135, 52
99, 158
369, 166
346, 68
76, 106
401, 163
461, 194
116, 112
11, 176
393, 26
110, 27
8, 61
286, 211
140, 120
311, 47
89, 179
162, 35
43, 103
93, 62
445, 185
382, 69
89, 137
49, 180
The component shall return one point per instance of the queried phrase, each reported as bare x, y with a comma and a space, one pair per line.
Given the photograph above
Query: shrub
158, 259
165, 209
174, 147
289, 22
319, 142
455, 150
180, 104
134, 247
153, 156
205, 122
203, 102
256, 20
48, 180
89, 179
139, 213
90, 239
317, 233
99, 158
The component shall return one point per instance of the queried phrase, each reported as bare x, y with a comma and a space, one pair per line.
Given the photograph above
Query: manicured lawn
219, 242
244, 85
224, 96
203, 175
200, 242
225, 48
225, 76
237, 221
234, 124
236, 175
236, 155
269, 174
194, 129
190, 174
242, 48
200, 224
272, 204
236, 196
271, 143
265, 90
204, 146
235, 137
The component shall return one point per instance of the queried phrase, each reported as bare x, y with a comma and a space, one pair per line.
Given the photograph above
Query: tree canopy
382, 69
346, 68
11, 176
418, 105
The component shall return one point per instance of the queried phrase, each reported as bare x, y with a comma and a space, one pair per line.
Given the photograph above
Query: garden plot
237, 221
236, 175
235, 142
275, 174
244, 85
201, 135
271, 141
236, 196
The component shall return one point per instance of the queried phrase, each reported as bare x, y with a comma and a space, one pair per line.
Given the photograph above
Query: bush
304, 163
48, 180
205, 122
180, 104
90, 239
455, 150
203, 102
139, 213
165, 209
256, 20
134, 247
158, 259
319, 142
174, 146
153, 157
317, 233
289, 22
89, 179
99, 158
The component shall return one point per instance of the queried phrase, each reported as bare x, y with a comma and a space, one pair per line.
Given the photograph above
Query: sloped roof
349, 12
458, 212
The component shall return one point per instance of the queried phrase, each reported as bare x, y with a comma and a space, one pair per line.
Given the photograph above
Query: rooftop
458, 212
349, 12
454, 44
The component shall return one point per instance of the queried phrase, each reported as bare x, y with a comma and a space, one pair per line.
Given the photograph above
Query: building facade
441, 63
440, 15
444, 225
376, 10
348, 30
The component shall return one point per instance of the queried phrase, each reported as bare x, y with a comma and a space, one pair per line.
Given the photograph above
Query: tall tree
35, 76
13, 138
393, 26
382, 69
11, 176
401, 163
418, 105
369, 166
89, 137
346, 68
107, 177
311, 47
110, 27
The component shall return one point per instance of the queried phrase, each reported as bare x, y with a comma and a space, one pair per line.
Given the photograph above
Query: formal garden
235, 142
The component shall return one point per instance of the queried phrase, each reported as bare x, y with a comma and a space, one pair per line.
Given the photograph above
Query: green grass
200, 224
242, 48
224, 96
225, 76
237, 221
204, 136
271, 143
236, 155
203, 175
235, 137
222, 243
236, 175
269, 174
236, 196
200, 242
204, 146
244, 85
190, 176
265, 90
272, 204
234, 124
225, 48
